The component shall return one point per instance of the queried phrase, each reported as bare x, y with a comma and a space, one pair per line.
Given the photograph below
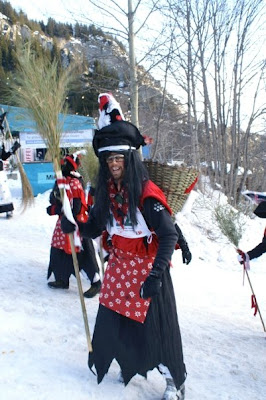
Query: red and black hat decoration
115, 134
109, 110
73, 161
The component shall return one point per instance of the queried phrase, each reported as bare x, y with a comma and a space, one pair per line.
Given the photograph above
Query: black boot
58, 285
93, 290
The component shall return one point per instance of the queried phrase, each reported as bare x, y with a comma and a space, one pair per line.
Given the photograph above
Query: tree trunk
134, 97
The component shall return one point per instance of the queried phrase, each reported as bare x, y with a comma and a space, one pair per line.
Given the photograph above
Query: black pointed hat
115, 134
118, 136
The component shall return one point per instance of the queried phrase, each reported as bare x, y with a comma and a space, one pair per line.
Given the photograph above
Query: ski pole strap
254, 304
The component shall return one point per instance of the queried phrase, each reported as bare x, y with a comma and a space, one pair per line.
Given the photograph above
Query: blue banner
41, 176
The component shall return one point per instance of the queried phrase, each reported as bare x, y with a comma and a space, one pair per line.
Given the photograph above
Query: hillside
103, 66
181, 132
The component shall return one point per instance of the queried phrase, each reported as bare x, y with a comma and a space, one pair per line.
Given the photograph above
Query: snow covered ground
43, 347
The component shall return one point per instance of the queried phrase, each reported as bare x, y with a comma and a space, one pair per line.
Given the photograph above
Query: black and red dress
61, 261
140, 334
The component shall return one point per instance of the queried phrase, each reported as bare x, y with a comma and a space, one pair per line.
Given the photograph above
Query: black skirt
61, 263
139, 348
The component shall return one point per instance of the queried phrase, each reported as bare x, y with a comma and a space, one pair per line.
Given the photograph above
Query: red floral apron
123, 279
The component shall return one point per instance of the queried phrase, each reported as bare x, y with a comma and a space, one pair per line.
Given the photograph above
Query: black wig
135, 176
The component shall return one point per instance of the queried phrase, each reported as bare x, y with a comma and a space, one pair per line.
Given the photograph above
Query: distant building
77, 132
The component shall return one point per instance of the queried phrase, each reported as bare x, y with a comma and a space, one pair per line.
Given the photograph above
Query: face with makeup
116, 165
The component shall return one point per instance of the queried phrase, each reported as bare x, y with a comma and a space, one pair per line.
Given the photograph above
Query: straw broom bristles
42, 88
27, 194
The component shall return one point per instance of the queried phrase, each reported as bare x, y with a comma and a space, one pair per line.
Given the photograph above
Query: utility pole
134, 95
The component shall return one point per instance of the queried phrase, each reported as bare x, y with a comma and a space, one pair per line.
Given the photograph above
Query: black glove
186, 254
67, 226
54, 210
15, 146
54, 197
152, 286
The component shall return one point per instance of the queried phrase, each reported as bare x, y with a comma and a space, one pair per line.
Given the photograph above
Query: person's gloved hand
182, 244
152, 285
54, 197
15, 146
186, 255
54, 210
243, 258
67, 226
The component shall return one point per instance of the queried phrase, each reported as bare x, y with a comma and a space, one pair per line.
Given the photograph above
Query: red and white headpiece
109, 110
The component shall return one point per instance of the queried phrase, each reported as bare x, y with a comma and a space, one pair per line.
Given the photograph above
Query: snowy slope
43, 348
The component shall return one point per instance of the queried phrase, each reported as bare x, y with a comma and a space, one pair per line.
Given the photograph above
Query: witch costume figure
61, 261
259, 198
6, 204
137, 322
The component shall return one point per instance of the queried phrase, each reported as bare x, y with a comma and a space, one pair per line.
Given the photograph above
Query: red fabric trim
254, 304
72, 162
90, 200
103, 100
53, 209
152, 190
106, 241
119, 209
136, 246
191, 187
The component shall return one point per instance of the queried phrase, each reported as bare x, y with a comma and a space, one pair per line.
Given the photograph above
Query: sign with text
32, 140
40, 175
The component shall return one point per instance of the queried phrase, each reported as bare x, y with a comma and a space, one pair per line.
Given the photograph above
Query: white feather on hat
109, 110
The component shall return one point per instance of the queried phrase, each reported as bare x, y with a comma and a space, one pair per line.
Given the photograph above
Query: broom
89, 170
42, 87
231, 226
27, 194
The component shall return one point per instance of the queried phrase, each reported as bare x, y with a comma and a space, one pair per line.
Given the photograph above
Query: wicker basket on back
175, 181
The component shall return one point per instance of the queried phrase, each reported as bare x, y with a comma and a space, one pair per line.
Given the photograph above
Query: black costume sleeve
91, 229
160, 220
258, 250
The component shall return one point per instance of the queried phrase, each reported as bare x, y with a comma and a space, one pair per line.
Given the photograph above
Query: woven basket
173, 180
